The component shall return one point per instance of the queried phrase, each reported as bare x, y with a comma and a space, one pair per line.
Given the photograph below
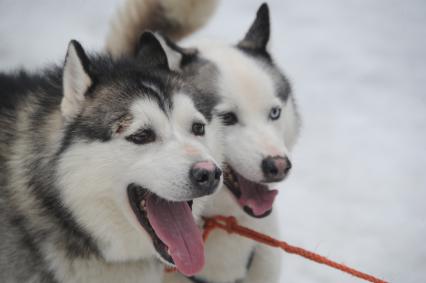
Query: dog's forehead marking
243, 81
152, 87
184, 109
147, 112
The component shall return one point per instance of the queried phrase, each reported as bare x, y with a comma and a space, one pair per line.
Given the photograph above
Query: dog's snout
275, 168
205, 175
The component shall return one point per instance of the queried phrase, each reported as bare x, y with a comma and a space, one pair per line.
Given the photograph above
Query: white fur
247, 89
76, 82
98, 271
94, 176
120, 267
227, 255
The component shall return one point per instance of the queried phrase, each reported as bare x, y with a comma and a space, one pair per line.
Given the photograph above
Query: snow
358, 187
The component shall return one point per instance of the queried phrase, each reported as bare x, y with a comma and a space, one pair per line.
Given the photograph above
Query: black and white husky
99, 163
261, 126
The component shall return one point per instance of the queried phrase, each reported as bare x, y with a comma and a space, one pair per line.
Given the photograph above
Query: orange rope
169, 269
230, 225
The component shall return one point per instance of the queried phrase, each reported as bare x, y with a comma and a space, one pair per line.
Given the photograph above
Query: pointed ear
257, 37
76, 80
157, 50
151, 52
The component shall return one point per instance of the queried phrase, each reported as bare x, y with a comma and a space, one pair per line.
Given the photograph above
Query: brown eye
275, 113
198, 129
229, 118
144, 136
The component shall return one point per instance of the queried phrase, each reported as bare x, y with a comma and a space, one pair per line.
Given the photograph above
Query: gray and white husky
260, 119
99, 163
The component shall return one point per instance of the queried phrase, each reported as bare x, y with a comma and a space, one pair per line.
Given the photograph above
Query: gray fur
252, 65
34, 222
203, 76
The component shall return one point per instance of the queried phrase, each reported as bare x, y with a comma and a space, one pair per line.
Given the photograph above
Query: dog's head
136, 151
260, 118
257, 109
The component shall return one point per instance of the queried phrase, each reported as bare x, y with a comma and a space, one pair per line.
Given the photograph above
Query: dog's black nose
205, 175
275, 168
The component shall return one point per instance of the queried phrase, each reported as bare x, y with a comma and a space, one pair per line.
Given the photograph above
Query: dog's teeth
143, 204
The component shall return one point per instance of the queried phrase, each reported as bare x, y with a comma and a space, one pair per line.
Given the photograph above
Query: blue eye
275, 113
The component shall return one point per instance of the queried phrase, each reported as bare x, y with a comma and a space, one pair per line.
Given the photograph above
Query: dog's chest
227, 257
94, 271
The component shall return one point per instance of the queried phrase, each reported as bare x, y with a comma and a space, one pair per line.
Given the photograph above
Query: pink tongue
256, 196
175, 226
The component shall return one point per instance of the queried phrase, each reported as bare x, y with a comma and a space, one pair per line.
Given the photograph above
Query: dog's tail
173, 18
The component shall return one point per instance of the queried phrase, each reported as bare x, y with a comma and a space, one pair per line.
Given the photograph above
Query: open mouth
171, 226
255, 198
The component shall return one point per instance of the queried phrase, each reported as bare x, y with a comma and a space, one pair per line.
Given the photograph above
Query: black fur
257, 37
201, 75
128, 79
151, 52
28, 103
254, 45
188, 54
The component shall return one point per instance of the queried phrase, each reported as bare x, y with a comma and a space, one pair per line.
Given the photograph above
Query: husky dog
99, 163
261, 126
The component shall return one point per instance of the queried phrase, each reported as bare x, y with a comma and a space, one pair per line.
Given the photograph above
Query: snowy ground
358, 189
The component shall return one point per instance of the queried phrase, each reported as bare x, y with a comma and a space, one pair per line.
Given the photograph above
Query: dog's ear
159, 51
150, 51
257, 37
76, 80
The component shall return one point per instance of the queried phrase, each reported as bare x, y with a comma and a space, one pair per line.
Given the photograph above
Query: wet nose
205, 175
275, 168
